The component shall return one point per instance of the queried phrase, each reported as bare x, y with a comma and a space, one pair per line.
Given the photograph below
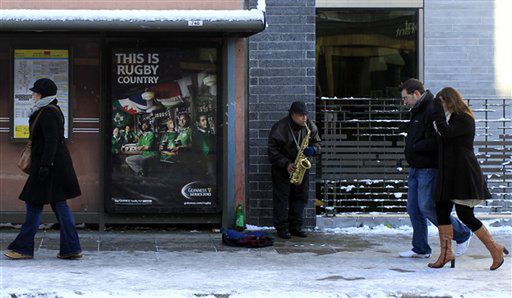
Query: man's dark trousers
289, 200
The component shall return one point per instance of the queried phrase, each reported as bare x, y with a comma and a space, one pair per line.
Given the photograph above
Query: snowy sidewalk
348, 263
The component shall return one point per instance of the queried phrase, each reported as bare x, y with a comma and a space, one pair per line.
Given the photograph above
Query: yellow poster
41, 53
29, 66
21, 131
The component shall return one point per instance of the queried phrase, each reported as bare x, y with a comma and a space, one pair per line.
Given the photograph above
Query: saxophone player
288, 141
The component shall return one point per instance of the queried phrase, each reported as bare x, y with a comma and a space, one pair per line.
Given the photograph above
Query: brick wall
282, 70
460, 46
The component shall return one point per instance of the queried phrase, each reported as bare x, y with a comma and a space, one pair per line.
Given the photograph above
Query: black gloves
44, 171
437, 109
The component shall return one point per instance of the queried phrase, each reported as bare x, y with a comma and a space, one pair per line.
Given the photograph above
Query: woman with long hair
460, 178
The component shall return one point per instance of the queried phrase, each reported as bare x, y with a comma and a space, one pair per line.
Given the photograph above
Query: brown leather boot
496, 250
446, 255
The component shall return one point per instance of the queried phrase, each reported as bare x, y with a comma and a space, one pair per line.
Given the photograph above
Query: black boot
283, 233
298, 233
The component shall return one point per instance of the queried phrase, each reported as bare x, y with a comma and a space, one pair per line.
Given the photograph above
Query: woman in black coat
460, 179
52, 178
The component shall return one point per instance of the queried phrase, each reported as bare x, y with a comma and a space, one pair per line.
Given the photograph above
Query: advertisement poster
164, 138
29, 66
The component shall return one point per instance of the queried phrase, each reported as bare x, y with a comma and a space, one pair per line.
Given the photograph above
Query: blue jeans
421, 206
69, 242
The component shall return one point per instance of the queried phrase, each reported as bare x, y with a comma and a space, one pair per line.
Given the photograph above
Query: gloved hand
438, 110
309, 151
44, 171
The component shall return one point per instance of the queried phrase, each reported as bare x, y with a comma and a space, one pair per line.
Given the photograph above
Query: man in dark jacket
421, 154
284, 142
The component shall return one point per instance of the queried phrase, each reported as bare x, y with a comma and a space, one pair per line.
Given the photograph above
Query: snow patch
257, 228
347, 188
63, 15
262, 5
386, 229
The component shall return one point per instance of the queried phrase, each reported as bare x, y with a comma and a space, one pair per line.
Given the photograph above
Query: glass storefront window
365, 52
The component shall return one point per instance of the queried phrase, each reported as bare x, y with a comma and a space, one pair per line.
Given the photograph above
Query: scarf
43, 102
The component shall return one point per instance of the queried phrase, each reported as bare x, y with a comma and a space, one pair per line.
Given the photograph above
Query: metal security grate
362, 166
493, 148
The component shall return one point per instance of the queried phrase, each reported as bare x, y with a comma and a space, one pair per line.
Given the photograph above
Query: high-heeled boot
496, 250
446, 255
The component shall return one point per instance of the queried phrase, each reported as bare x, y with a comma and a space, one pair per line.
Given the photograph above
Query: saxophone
302, 164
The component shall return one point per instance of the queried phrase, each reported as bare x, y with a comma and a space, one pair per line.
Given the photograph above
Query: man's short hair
185, 115
412, 85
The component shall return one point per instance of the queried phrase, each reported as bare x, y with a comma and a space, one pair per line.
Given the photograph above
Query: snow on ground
247, 274
386, 229
360, 262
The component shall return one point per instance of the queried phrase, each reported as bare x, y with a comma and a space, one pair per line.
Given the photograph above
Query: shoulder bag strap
37, 118
33, 127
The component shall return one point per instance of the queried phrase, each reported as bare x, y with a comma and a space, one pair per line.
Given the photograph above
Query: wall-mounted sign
29, 66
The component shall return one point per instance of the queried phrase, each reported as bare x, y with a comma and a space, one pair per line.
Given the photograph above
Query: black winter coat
460, 176
420, 143
49, 149
282, 149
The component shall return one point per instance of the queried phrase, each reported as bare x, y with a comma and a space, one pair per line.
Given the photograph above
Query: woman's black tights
466, 215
